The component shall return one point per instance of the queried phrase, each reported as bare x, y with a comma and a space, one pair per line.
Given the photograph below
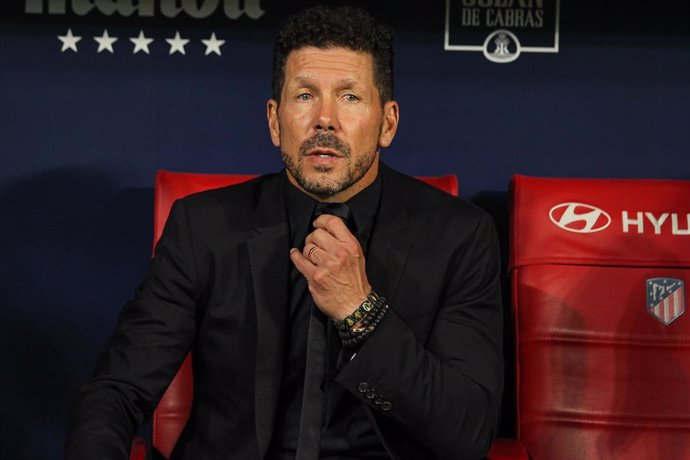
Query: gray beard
327, 188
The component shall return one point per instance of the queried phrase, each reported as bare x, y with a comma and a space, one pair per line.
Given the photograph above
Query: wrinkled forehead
329, 64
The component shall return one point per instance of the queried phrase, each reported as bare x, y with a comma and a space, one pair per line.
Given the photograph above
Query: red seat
599, 270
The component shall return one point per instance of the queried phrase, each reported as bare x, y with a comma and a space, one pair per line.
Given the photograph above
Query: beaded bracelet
353, 337
361, 311
359, 338
365, 322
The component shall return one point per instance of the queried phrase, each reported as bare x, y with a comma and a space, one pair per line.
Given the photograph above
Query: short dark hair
336, 27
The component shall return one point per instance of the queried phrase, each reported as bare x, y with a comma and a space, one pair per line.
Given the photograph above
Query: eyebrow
304, 80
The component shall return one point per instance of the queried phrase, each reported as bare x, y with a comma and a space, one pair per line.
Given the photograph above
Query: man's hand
333, 264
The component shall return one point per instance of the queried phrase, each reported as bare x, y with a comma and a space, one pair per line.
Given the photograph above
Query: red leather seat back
599, 274
172, 412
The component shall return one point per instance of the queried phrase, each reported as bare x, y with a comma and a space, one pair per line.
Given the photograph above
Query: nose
327, 116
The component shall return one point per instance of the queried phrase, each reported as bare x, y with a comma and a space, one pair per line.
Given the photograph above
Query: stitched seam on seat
622, 421
607, 262
656, 425
605, 339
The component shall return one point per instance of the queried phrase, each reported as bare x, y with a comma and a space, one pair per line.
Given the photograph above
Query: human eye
349, 97
304, 96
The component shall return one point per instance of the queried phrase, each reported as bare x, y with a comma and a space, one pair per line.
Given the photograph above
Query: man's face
330, 123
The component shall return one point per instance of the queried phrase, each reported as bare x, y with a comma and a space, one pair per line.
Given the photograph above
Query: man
314, 336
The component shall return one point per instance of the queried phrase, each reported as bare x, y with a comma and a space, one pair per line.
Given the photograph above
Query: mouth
322, 157
324, 153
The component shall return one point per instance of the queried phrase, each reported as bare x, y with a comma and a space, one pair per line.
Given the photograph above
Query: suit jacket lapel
268, 257
390, 242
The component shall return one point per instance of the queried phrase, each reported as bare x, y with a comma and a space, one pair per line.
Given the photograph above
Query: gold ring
309, 253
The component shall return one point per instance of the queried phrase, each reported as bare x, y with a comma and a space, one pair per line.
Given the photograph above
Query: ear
391, 116
273, 123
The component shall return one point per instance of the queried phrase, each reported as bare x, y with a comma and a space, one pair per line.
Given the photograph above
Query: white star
105, 42
141, 43
177, 43
213, 44
69, 41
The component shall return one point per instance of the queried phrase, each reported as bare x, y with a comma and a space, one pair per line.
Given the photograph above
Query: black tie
313, 396
336, 209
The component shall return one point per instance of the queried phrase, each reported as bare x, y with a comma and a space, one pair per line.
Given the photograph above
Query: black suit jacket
218, 286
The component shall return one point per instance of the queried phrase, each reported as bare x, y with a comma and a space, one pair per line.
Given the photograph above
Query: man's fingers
321, 238
331, 234
309, 252
335, 226
303, 265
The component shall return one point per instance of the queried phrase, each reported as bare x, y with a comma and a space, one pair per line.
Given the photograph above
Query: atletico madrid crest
665, 299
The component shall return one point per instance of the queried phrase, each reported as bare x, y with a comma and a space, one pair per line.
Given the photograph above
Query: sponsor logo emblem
502, 46
493, 27
665, 299
579, 217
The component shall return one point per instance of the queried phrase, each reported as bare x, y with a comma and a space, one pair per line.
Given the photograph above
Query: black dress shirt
346, 430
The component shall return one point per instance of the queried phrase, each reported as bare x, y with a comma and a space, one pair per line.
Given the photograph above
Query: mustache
327, 141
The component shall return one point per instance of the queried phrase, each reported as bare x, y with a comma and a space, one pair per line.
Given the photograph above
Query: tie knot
336, 209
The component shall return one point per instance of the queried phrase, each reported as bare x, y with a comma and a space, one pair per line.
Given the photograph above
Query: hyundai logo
579, 217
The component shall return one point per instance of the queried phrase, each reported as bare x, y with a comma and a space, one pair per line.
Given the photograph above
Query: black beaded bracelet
354, 337
359, 338
361, 326
359, 313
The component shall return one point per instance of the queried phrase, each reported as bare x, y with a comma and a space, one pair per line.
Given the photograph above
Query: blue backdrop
83, 132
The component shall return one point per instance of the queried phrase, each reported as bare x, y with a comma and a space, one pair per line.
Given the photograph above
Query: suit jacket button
371, 394
386, 405
379, 400
363, 387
